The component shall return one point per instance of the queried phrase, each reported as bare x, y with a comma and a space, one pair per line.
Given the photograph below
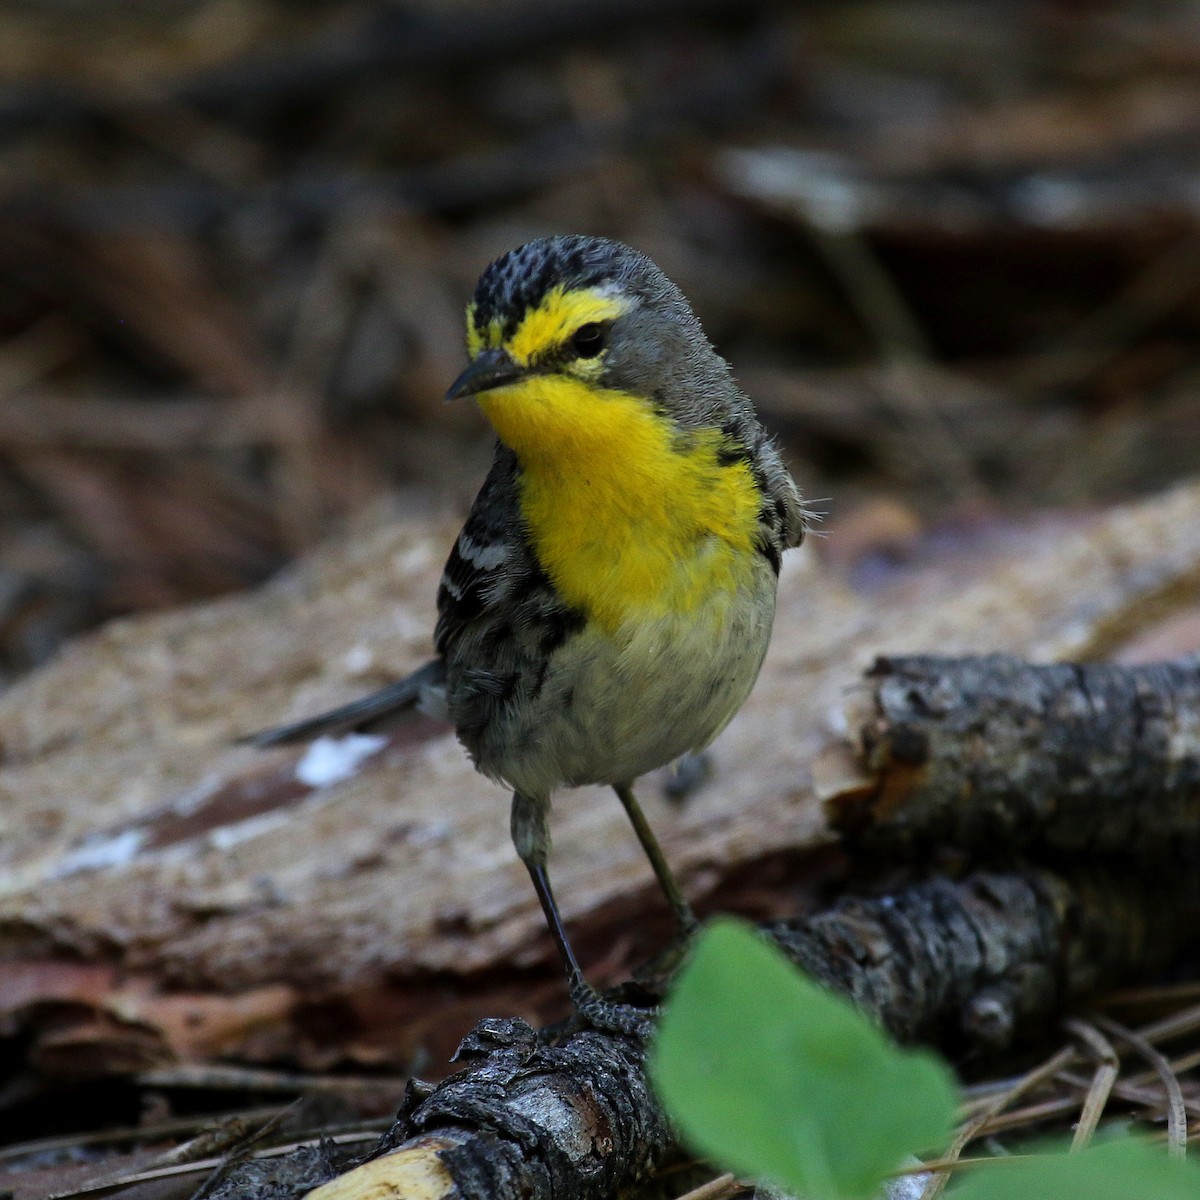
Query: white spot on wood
545, 1107
359, 659
188, 802
430, 835
101, 853
225, 837
330, 760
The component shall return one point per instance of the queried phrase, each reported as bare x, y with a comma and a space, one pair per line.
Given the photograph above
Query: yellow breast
629, 518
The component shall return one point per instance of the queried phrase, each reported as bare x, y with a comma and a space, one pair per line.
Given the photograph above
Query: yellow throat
630, 518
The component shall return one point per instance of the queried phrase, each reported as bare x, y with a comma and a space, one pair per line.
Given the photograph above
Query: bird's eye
588, 340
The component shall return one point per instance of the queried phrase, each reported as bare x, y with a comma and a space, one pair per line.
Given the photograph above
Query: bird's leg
531, 836
679, 905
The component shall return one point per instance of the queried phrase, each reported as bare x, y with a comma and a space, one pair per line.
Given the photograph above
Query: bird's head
562, 327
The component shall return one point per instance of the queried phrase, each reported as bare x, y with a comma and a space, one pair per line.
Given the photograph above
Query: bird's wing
492, 574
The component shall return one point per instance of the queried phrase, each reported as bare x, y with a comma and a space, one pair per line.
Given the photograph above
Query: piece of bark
967, 965
135, 834
995, 754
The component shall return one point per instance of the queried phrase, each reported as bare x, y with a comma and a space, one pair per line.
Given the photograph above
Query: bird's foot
608, 1016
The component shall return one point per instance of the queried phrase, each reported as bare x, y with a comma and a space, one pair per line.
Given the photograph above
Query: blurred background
951, 248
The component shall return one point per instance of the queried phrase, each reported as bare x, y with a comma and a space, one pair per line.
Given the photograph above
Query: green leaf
1122, 1169
778, 1079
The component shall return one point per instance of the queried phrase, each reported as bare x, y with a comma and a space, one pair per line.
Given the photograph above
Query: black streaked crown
519, 280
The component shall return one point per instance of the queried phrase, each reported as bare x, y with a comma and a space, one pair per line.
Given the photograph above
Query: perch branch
977, 961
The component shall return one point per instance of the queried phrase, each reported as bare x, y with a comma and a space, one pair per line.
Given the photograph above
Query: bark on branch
976, 960
998, 754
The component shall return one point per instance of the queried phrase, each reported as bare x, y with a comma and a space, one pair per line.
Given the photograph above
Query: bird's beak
488, 369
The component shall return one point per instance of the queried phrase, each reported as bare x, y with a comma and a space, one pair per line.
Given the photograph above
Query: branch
974, 962
993, 753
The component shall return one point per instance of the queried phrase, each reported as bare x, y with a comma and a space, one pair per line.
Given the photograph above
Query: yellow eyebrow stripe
476, 341
560, 313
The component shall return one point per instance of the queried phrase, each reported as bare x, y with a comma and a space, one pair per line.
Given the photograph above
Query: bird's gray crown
519, 280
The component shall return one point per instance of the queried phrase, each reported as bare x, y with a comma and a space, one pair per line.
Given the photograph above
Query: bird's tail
422, 689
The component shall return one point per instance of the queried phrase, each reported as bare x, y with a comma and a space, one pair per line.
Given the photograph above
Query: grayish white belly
612, 707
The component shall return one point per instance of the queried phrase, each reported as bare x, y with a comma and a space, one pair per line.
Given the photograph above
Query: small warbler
607, 606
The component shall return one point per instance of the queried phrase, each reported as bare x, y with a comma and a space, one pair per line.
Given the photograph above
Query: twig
973, 1128
139, 1133
1031, 1114
513, 1122
1103, 1079
241, 1151
721, 1188
1172, 994
1176, 1109
1145, 1095
1174, 1025
128, 1179
224, 1076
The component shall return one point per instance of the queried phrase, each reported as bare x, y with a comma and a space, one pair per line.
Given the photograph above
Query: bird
607, 606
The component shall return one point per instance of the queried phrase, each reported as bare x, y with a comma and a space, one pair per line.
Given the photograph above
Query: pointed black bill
489, 369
